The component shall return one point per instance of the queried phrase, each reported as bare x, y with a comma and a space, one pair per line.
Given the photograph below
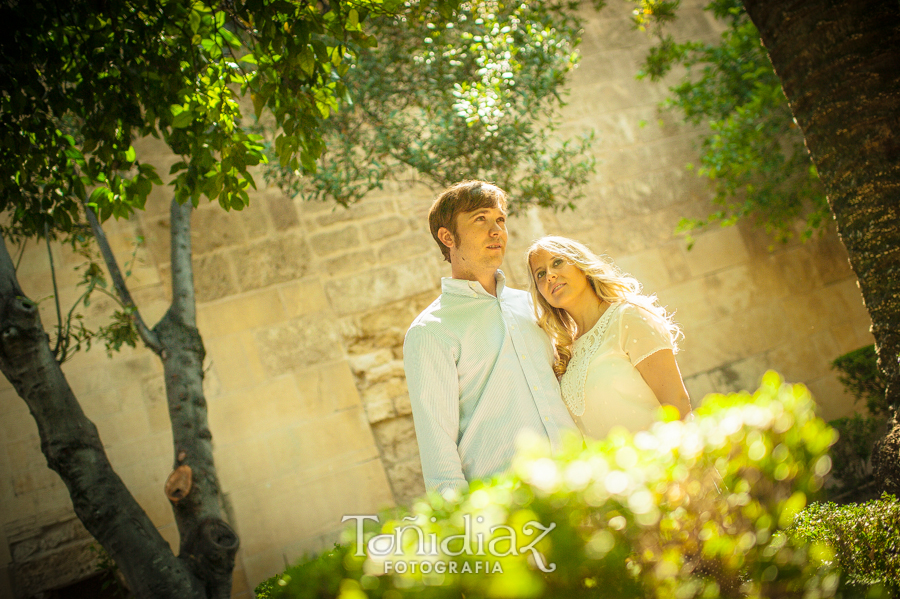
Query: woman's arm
660, 372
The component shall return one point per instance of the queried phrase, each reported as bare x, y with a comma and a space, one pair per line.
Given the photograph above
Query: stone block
154, 502
730, 292
298, 343
244, 313
848, 289
378, 404
351, 263
323, 444
403, 248
269, 261
263, 565
282, 210
213, 228
214, 277
801, 359
366, 291
406, 479
326, 388
251, 412
336, 241
741, 375
699, 386
234, 361
766, 280
355, 212
156, 404
716, 250
389, 226
397, 439
253, 219
649, 267
390, 372
244, 463
131, 424
689, 303
832, 398
157, 233
831, 259
362, 364
17, 424
808, 313
798, 269
303, 297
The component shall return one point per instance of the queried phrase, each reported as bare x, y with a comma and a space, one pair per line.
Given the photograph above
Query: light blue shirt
479, 372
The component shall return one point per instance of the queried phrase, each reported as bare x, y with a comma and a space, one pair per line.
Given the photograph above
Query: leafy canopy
476, 95
752, 151
79, 80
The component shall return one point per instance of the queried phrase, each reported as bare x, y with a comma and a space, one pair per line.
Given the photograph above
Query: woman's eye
540, 275
557, 262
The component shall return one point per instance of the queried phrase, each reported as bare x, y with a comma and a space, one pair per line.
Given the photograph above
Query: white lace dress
601, 386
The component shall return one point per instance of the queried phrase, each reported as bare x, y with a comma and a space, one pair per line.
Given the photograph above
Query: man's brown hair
464, 196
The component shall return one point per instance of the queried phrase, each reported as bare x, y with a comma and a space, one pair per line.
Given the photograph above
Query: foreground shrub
865, 538
696, 509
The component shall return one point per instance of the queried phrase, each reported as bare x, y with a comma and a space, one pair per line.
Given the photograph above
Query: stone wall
303, 308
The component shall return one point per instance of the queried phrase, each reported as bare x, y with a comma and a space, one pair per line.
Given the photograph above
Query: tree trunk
207, 542
73, 449
70, 441
839, 65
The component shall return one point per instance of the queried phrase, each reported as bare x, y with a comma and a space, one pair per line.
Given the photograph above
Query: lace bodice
572, 383
602, 387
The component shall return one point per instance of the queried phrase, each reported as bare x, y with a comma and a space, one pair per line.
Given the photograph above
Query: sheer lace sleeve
642, 334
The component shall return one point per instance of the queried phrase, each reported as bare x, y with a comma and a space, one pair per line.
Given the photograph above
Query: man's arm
434, 395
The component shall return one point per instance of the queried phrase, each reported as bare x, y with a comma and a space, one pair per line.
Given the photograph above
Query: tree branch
61, 343
147, 336
183, 297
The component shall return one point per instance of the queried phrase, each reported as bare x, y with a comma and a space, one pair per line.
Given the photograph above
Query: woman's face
560, 283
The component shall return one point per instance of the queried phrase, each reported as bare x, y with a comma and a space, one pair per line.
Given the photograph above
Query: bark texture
839, 65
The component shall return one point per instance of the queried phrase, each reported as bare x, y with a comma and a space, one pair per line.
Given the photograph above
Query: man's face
480, 242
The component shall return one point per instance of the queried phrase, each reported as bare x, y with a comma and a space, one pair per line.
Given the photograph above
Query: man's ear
446, 237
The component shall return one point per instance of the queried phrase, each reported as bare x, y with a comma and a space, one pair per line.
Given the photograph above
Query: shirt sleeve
434, 395
643, 333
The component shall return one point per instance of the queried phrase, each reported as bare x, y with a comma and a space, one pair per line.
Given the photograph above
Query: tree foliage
476, 95
751, 149
79, 81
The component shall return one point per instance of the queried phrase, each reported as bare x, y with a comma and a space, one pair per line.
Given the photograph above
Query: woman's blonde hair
609, 283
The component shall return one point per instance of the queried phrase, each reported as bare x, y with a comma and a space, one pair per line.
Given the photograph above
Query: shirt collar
466, 288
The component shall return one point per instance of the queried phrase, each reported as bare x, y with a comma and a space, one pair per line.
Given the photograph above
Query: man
477, 365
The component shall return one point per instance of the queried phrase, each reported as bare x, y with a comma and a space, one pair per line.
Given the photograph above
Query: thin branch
147, 336
21, 253
183, 297
60, 344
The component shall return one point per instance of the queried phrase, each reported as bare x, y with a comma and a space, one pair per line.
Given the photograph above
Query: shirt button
524, 357
546, 419
535, 387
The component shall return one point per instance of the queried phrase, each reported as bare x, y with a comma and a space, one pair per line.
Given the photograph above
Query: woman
615, 347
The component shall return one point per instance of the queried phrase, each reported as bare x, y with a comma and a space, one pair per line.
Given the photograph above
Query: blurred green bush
696, 509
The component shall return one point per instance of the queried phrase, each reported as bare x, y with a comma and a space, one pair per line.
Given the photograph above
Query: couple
481, 371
